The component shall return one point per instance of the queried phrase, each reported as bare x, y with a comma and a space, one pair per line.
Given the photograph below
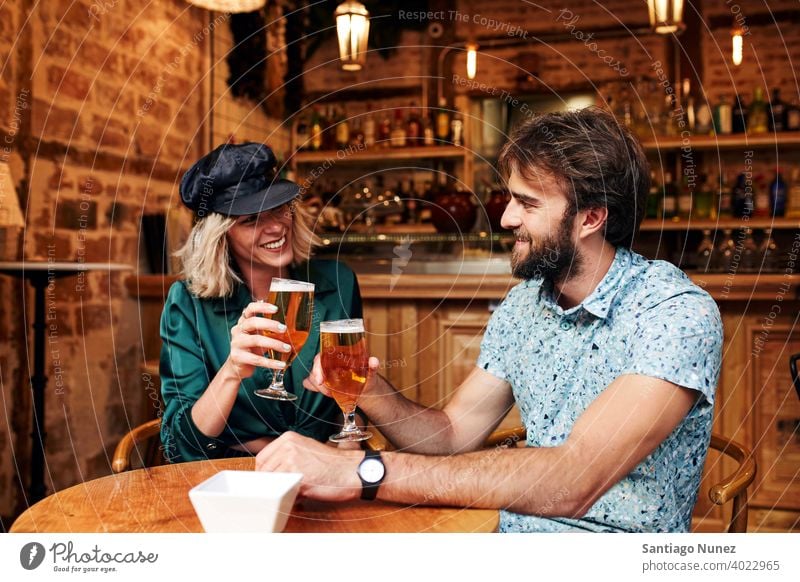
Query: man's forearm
408, 425
533, 481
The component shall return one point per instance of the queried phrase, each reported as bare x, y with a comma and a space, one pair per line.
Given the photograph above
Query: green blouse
196, 342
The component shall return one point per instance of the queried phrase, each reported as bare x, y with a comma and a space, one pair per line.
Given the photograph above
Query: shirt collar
598, 302
241, 297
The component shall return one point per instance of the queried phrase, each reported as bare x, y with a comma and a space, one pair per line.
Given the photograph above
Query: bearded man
612, 359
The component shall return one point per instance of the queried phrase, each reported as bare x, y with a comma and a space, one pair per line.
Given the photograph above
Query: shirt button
211, 447
565, 325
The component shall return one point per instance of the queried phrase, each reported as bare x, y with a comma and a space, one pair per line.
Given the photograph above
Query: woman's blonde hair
207, 264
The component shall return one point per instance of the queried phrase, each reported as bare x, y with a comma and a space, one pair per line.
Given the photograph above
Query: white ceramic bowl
245, 501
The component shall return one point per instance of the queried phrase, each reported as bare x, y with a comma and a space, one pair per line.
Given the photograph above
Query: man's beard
554, 258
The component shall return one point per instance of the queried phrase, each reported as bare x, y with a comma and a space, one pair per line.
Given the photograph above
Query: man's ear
591, 220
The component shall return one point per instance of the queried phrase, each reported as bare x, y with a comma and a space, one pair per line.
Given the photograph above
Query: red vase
453, 212
495, 206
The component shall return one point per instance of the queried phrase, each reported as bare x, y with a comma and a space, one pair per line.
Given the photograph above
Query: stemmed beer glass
295, 302
345, 364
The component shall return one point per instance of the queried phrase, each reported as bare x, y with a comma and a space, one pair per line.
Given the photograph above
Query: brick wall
770, 53
572, 61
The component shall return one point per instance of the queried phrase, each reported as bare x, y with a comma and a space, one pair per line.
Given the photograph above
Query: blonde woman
250, 228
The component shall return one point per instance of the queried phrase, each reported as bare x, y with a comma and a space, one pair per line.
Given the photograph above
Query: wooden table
157, 500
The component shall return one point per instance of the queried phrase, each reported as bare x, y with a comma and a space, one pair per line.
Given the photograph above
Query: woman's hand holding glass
249, 344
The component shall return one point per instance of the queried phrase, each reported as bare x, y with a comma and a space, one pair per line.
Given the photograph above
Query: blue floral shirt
645, 317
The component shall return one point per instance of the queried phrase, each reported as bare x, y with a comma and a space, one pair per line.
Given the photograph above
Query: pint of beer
295, 303
345, 363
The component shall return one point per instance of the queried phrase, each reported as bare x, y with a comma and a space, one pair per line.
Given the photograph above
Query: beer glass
295, 303
345, 364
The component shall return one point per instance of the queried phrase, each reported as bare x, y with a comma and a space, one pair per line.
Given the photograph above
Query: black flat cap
236, 180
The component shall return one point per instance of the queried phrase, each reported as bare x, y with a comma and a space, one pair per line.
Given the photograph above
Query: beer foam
283, 285
342, 326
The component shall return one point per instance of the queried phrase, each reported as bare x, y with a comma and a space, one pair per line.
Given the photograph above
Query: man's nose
511, 219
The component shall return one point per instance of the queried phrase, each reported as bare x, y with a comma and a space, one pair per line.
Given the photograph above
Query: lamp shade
232, 6
666, 16
352, 28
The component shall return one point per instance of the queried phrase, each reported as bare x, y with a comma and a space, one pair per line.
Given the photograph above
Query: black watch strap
369, 490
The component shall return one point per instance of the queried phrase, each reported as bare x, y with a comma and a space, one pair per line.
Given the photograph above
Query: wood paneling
775, 416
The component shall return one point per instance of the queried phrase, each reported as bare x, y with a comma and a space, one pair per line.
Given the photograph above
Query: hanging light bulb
352, 28
737, 42
666, 16
232, 6
472, 60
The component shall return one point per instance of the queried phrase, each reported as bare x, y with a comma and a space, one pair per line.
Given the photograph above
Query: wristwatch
371, 471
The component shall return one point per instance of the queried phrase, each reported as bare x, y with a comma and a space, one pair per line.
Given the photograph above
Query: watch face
371, 470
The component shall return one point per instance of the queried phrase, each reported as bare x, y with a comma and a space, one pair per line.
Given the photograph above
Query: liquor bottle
739, 115
777, 195
385, 131
725, 198
704, 122
302, 134
652, 209
407, 195
691, 118
442, 123
357, 138
777, 112
761, 198
369, 128
342, 129
793, 198
669, 204
667, 124
768, 252
329, 133
413, 127
457, 129
684, 200
723, 117
704, 253
426, 200
317, 128
703, 200
757, 118
428, 135
793, 116
398, 134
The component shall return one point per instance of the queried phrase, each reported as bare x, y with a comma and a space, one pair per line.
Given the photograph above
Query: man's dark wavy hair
598, 162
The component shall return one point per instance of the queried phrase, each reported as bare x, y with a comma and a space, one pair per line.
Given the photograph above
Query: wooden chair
734, 487
731, 488
150, 453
